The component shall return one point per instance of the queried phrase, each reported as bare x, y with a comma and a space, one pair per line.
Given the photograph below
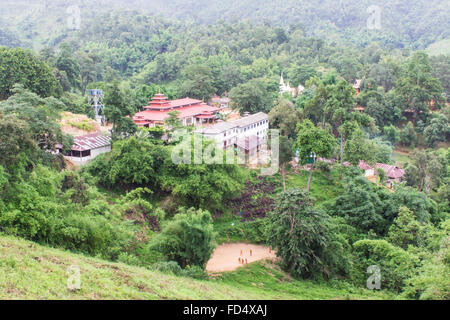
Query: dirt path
225, 257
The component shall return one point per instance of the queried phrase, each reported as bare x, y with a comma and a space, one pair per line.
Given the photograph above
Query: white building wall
94, 154
259, 129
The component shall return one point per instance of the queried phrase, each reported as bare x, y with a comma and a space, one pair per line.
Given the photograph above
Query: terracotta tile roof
155, 115
392, 172
364, 165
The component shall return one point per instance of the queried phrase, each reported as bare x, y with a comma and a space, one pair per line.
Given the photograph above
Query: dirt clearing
226, 256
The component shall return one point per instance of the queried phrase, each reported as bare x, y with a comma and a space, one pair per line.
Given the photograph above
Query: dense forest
136, 206
402, 24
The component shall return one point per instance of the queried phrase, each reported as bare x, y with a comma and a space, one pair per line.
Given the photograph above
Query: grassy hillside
31, 271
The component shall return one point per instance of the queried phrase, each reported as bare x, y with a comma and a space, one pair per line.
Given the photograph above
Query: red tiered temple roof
159, 106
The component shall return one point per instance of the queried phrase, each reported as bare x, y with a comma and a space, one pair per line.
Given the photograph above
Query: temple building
286, 87
357, 86
191, 112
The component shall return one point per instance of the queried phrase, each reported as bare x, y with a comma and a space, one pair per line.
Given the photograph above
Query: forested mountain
361, 94
401, 23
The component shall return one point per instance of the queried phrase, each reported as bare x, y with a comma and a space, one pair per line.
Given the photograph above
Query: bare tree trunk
341, 160
422, 182
292, 224
309, 177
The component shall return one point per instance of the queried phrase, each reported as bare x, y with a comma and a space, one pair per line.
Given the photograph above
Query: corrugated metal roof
216, 128
227, 125
90, 141
248, 120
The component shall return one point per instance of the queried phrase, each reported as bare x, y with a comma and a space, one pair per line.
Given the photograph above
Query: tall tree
198, 82
285, 156
313, 142
116, 109
426, 170
417, 88
22, 66
284, 116
252, 96
65, 61
300, 233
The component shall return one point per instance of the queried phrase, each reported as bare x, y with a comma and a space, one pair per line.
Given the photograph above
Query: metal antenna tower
95, 98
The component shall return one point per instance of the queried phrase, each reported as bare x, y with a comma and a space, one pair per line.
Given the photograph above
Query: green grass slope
31, 271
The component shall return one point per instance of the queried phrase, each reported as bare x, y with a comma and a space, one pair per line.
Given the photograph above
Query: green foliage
198, 83
423, 207
37, 211
437, 130
252, 96
427, 170
68, 65
417, 88
301, 235
358, 147
22, 66
133, 161
173, 121
205, 185
85, 125
408, 136
116, 110
364, 206
285, 117
141, 162
299, 74
17, 142
41, 116
311, 139
405, 230
396, 265
188, 239
392, 133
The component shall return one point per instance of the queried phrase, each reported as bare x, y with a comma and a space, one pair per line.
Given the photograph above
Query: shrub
188, 239
167, 267
396, 264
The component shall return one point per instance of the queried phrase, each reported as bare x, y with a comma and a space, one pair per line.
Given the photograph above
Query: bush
174, 268
432, 282
323, 166
188, 239
168, 267
396, 264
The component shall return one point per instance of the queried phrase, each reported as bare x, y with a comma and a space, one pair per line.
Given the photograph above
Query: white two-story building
246, 133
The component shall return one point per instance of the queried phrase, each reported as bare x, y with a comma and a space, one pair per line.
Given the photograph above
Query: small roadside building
394, 174
87, 147
220, 102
